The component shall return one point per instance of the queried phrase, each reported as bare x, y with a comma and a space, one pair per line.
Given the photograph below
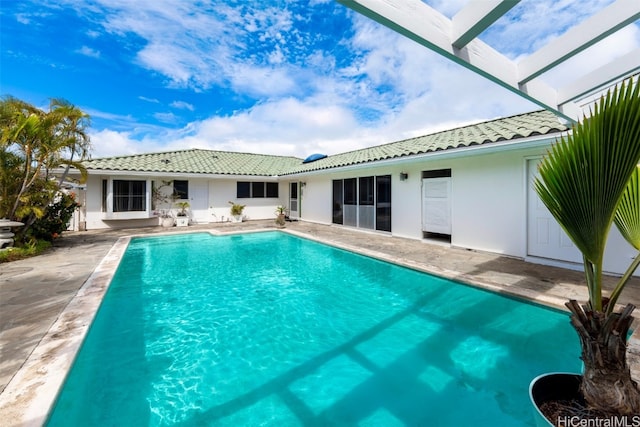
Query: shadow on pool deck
33, 292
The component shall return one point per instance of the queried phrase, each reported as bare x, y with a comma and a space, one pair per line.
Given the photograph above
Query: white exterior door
199, 200
545, 237
436, 205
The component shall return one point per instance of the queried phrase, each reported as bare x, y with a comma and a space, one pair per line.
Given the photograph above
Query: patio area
34, 292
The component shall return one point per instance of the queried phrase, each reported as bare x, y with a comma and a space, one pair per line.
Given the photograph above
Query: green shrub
55, 219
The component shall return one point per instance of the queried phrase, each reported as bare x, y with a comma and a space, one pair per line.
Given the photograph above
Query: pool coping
31, 394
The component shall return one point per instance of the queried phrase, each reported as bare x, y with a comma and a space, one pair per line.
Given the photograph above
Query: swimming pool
268, 328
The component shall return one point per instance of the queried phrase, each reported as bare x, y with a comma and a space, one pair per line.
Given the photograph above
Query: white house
470, 187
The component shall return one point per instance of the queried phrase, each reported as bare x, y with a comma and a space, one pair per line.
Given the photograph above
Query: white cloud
93, 34
197, 49
23, 18
116, 118
296, 127
255, 49
31, 17
276, 57
87, 51
168, 118
262, 81
531, 25
107, 143
287, 126
151, 100
181, 105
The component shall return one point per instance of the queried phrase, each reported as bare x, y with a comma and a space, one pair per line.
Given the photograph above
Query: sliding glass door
350, 215
338, 202
383, 203
366, 200
363, 202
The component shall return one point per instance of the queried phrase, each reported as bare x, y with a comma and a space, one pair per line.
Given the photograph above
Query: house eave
155, 174
504, 146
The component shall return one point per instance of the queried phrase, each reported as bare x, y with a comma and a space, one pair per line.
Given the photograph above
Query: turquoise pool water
271, 329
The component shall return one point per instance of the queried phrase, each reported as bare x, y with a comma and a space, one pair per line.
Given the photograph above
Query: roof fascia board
426, 26
154, 174
520, 144
476, 17
575, 40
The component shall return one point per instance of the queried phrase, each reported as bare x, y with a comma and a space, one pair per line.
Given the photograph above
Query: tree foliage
588, 181
33, 145
584, 177
55, 219
627, 217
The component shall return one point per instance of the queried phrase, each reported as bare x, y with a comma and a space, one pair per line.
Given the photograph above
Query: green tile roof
197, 161
505, 129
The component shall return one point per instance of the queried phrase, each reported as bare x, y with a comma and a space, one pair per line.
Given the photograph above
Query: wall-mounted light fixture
404, 176
303, 184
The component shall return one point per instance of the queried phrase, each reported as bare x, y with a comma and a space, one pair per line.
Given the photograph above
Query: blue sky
273, 77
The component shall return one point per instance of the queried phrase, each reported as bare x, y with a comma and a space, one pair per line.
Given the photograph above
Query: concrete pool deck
44, 300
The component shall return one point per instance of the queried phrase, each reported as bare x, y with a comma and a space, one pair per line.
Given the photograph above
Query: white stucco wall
220, 194
406, 199
488, 209
216, 208
315, 200
488, 204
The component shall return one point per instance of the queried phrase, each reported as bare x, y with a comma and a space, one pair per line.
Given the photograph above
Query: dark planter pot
550, 387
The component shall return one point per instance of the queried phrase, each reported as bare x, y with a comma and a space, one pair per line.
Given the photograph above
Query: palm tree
588, 181
42, 142
10, 168
69, 126
19, 137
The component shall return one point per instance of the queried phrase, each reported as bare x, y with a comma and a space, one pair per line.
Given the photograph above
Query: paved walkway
35, 291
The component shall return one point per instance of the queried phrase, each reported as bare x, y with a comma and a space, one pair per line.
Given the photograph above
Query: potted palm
589, 181
281, 215
236, 211
182, 219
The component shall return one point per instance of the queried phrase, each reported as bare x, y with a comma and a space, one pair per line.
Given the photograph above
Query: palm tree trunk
66, 170
607, 384
22, 231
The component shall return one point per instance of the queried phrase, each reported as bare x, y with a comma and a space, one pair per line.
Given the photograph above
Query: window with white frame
129, 195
